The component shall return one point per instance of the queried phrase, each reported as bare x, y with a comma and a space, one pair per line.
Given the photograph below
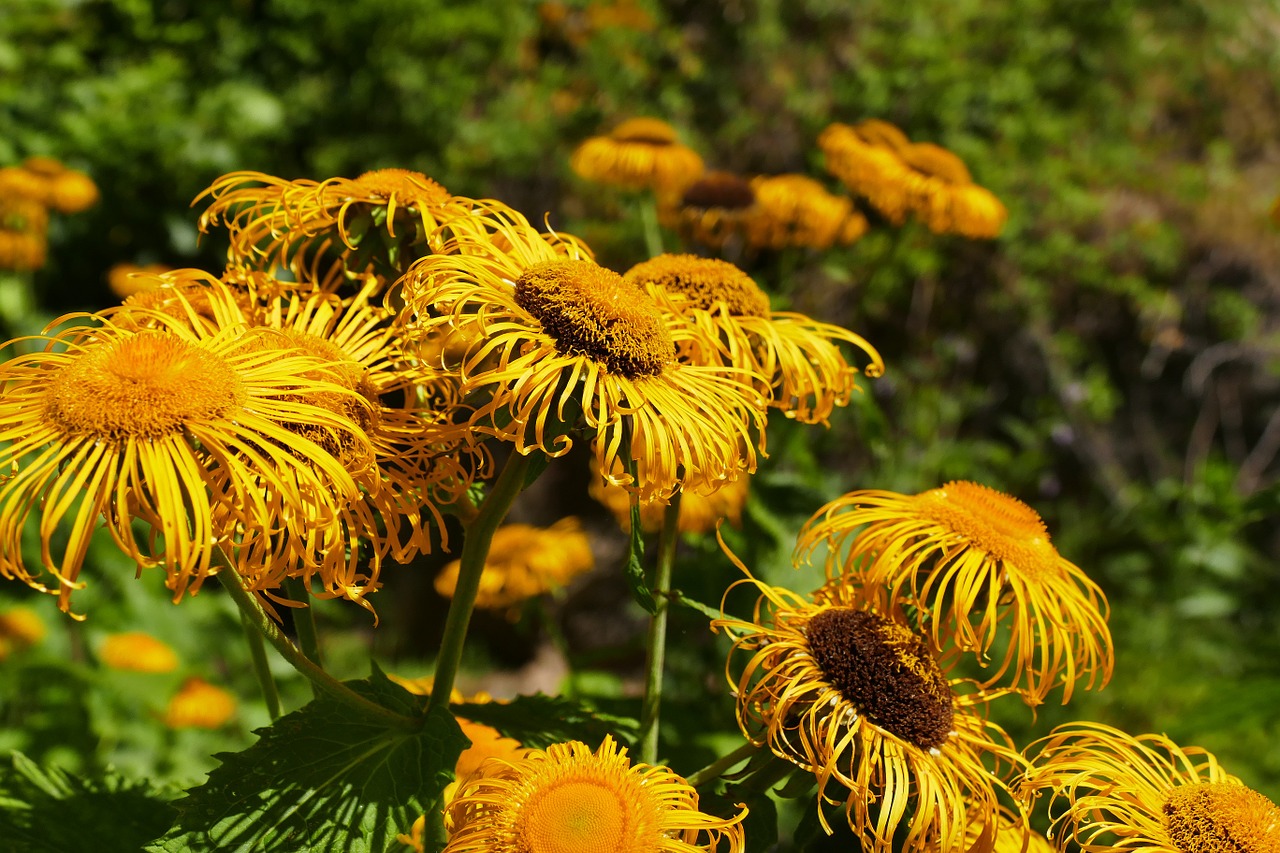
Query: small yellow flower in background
20, 628
970, 559
868, 164
1146, 793
640, 153
524, 562
568, 798
199, 705
134, 651
126, 279
796, 210
714, 211
698, 513
24, 222
859, 700
72, 192
797, 361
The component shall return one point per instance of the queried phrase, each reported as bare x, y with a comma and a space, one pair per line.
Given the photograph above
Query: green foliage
538, 721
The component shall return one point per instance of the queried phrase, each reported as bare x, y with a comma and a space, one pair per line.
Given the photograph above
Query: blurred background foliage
1112, 359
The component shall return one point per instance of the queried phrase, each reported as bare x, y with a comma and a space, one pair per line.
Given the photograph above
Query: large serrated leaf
324, 778
539, 721
45, 810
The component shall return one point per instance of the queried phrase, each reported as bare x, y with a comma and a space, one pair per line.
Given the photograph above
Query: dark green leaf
678, 597
539, 721
323, 778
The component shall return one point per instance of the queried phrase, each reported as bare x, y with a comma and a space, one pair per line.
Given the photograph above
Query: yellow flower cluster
27, 194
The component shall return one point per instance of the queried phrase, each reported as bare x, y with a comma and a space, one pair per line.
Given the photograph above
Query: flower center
648, 131
1221, 817
574, 816
1001, 525
936, 161
591, 311
723, 190
885, 671
145, 387
704, 282
407, 186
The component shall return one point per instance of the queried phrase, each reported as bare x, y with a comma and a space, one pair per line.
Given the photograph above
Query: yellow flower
567, 799
944, 196
17, 182
859, 698
168, 428
969, 559
795, 210
802, 368
126, 279
199, 705
867, 162
72, 192
714, 211
23, 225
135, 651
526, 561
1147, 793
550, 337
698, 513
20, 627
640, 153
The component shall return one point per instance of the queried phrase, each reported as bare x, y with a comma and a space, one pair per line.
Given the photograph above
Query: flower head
866, 160
640, 153
859, 699
135, 651
126, 279
944, 196
23, 231
524, 562
799, 362
713, 211
568, 798
199, 705
795, 210
20, 628
1147, 793
970, 559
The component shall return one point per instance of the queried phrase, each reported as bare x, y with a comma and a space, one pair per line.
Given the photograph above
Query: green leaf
539, 721
678, 597
323, 778
45, 810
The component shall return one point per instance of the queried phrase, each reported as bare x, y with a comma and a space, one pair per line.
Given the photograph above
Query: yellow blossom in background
714, 211
524, 562
570, 798
859, 700
20, 628
126, 279
199, 705
1147, 793
797, 361
640, 153
71, 192
698, 513
945, 198
23, 231
868, 164
135, 651
969, 559
796, 210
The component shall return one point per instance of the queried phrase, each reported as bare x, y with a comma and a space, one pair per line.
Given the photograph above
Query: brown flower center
144, 387
704, 282
591, 311
885, 671
647, 131
723, 190
1221, 817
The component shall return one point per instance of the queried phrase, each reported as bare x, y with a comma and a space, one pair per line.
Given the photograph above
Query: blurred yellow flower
71, 192
20, 628
135, 651
944, 196
526, 561
200, 705
640, 153
796, 210
23, 225
867, 162
126, 279
569, 798
714, 211
698, 513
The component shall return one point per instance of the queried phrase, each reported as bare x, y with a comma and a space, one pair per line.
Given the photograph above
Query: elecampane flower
640, 153
135, 651
870, 166
714, 211
971, 559
860, 700
1146, 793
805, 374
199, 705
796, 210
550, 337
568, 799
944, 196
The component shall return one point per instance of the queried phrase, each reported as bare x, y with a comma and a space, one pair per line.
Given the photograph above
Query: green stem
475, 549
717, 768
258, 653
657, 640
648, 209
252, 611
304, 620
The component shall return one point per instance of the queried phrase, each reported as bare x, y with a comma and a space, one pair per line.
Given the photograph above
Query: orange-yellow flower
126, 279
199, 705
698, 513
714, 211
135, 651
640, 153
20, 628
796, 210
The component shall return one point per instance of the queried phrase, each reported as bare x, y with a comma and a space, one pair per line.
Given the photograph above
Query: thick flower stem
717, 768
258, 653
657, 640
475, 549
304, 621
648, 209
252, 611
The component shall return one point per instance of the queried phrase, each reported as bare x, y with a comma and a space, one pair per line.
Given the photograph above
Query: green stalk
717, 768
648, 208
657, 639
475, 549
304, 620
252, 612
258, 653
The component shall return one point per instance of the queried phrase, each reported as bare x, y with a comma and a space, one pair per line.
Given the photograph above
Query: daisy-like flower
136, 651
859, 699
168, 428
1146, 793
315, 228
638, 154
866, 160
796, 210
568, 798
970, 559
23, 227
805, 374
945, 198
525, 561
199, 705
714, 211
546, 338
698, 513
